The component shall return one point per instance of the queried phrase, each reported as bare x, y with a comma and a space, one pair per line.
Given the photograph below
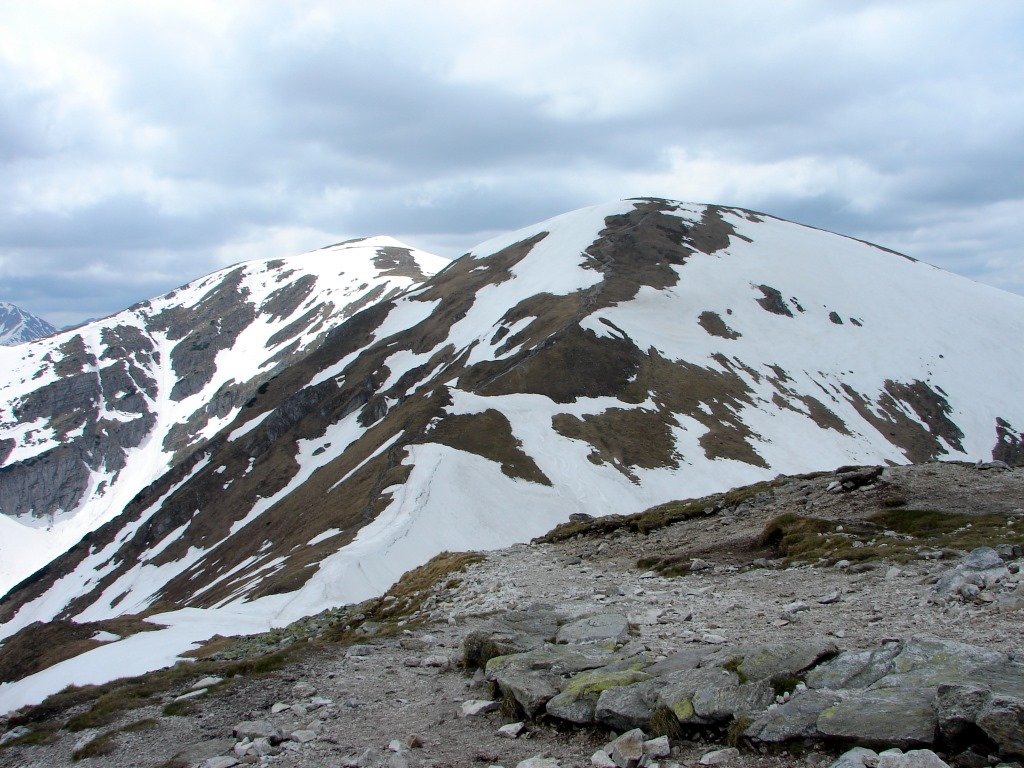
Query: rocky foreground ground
783, 624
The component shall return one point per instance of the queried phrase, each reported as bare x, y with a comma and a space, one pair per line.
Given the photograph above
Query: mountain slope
18, 326
603, 361
89, 417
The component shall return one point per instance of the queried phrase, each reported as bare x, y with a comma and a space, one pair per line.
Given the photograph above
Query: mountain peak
18, 326
294, 436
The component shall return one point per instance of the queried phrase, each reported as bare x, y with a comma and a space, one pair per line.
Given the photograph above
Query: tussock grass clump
734, 733
408, 593
103, 744
665, 723
178, 708
657, 517
109, 700
146, 724
895, 534
391, 612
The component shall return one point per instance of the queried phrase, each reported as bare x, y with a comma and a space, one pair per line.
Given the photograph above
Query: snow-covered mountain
18, 326
603, 361
90, 417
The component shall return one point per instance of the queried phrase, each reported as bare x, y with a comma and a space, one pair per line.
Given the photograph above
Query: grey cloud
353, 131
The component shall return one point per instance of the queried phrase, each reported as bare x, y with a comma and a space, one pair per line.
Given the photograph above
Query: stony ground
409, 687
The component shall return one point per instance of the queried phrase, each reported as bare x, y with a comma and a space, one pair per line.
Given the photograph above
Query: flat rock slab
599, 628
204, 750
796, 719
905, 717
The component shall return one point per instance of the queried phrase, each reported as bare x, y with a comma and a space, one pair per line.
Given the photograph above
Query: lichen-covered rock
628, 749
785, 659
1002, 720
578, 700
628, 706
854, 669
901, 716
795, 719
531, 688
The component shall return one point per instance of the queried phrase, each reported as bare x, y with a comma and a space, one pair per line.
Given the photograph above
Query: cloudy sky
144, 144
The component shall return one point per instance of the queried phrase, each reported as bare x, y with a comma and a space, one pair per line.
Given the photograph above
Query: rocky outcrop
922, 691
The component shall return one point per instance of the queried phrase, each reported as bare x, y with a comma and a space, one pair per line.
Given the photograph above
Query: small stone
304, 690
858, 757
697, 565
712, 638
792, 609
262, 746
475, 707
84, 741
303, 736
395, 745
434, 661
658, 747
628, 749
207, 682
538, 761
982, 559
512, 730
279, 707
600, 759
14, 733
832, 597
255, 729
191, 695
720, 756
221, 761
915, 758
357, 651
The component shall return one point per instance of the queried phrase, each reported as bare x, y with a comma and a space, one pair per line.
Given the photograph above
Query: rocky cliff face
604, 361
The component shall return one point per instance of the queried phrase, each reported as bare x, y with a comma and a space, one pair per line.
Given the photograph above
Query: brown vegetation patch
898, 535
488, 434
283, 302
577, 363
1009, 445
681, 387
918, 443
656, 517
624, 438
713, 323
772, 301
393, 261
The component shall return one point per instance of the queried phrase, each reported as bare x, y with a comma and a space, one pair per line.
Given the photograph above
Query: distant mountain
259, 449
18, 326
90, 416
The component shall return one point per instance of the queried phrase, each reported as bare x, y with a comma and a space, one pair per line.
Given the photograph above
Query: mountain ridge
606, 360
18, 326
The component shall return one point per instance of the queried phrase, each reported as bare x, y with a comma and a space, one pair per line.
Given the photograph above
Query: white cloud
180, 135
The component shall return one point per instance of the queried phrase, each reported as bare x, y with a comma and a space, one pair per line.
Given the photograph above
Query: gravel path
410, 684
